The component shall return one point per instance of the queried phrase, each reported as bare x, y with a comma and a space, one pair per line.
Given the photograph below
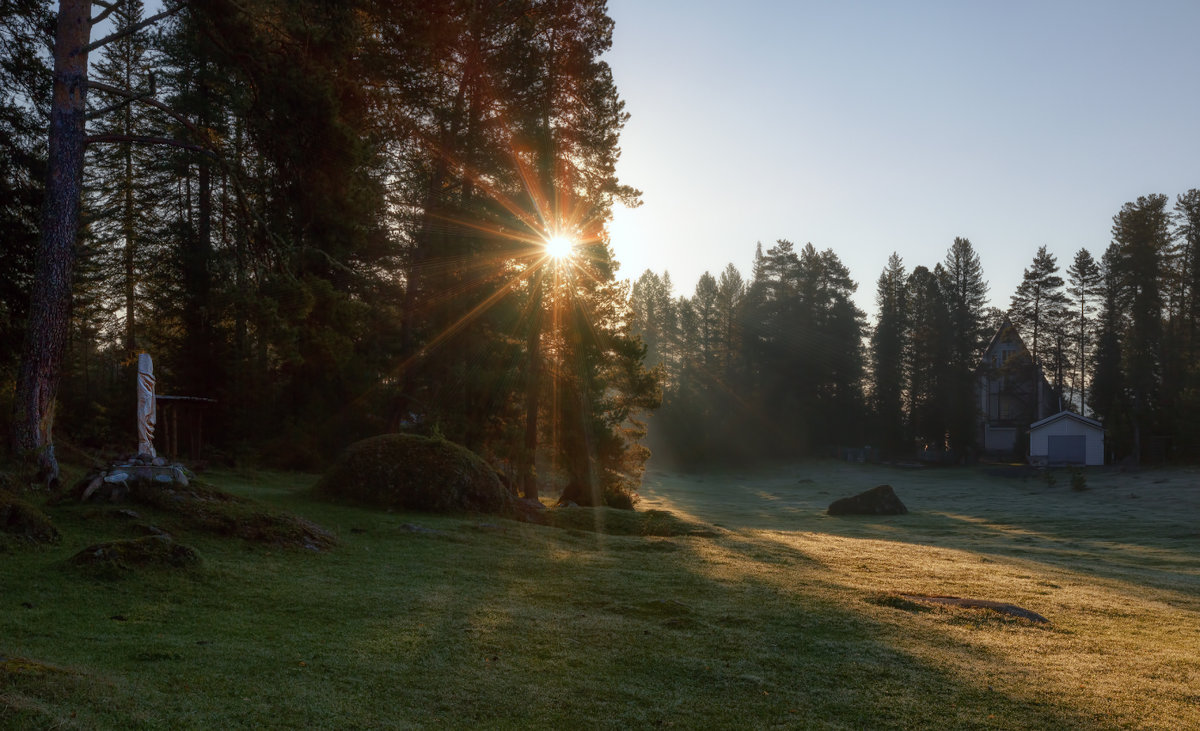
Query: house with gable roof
1012, 393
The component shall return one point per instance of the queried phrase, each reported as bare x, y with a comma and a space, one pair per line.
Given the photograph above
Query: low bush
410, 472
21, 519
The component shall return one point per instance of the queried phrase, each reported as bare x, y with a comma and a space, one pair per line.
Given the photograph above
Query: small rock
163, 477
94, 485
531, 503
114, 478
158, 462
414, 528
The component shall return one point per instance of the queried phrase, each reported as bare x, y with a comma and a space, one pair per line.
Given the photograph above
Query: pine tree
1142, 235
966, 298
1084, 279
654, 317
888, 354
965, 292
704, 303
1108, 395
1186, 355
24, 95
48, 324
731, 290
120, 183
1038, 306
930, 355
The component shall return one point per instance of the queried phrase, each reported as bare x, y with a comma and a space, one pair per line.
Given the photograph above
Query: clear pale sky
872, 127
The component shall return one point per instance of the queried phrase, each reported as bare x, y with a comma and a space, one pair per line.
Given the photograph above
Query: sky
873, 127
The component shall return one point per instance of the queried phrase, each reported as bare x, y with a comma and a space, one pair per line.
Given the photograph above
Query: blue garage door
1066, 449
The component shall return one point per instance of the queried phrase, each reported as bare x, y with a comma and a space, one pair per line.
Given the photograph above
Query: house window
1006, 407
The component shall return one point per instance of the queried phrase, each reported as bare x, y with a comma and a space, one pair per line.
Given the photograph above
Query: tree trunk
526, 477
582, 487
50, 299
127, 230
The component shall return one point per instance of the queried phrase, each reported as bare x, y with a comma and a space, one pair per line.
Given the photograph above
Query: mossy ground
779, 617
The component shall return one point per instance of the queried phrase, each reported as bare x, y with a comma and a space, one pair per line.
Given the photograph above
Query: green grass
745, 607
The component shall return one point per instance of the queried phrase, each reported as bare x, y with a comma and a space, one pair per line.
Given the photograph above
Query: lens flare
559, 247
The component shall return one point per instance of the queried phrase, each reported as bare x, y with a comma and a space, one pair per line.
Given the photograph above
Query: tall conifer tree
1084, 279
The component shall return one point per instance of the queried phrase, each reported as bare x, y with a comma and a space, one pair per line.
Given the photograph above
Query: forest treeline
328, 217
786, 364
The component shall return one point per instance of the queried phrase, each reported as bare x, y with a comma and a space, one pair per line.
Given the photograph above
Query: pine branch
144, 99
109, 8
133, 28
141, 140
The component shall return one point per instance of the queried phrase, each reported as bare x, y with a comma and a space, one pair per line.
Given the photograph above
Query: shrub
1078, 480
410, 472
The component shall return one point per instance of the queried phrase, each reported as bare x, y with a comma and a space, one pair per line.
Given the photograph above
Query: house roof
1067, 415
1005, 323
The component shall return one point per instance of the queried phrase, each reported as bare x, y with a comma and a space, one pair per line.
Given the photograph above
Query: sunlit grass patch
636, 619
624, 522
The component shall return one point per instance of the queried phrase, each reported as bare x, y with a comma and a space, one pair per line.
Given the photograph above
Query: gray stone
881, 500
94, 485
114, 478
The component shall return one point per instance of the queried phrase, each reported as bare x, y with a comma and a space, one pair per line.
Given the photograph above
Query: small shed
1066, 438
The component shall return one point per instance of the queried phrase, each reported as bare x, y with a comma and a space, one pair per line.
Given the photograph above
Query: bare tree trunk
582, 486
526, 477
50, 301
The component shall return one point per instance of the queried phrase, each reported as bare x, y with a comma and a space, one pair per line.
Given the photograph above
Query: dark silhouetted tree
888, 345
1084, 279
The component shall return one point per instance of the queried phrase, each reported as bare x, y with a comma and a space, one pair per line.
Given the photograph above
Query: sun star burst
559, 247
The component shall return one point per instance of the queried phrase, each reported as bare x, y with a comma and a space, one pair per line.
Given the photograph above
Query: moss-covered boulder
409, 472
24, 521
115, 558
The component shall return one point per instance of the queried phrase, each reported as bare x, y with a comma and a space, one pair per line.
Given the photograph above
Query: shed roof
1067, 415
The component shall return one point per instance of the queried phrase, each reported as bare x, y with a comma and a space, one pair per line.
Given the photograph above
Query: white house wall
1039, 446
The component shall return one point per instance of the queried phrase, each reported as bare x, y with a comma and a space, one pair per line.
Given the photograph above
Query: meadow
744, 607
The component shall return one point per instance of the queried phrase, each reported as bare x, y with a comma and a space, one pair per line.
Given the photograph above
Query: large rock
24, 520
129, 478
114, 558
409, 472
880, 500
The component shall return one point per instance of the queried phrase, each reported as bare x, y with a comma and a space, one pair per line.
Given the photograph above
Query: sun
559, 247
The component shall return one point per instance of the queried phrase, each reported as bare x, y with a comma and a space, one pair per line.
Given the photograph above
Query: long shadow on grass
550, 628
913, 670
446, 621
1099, 532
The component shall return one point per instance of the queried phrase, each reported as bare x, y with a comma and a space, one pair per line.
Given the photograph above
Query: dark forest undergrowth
746, 607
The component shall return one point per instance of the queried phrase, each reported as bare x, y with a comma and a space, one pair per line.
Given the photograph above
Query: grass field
761, 612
